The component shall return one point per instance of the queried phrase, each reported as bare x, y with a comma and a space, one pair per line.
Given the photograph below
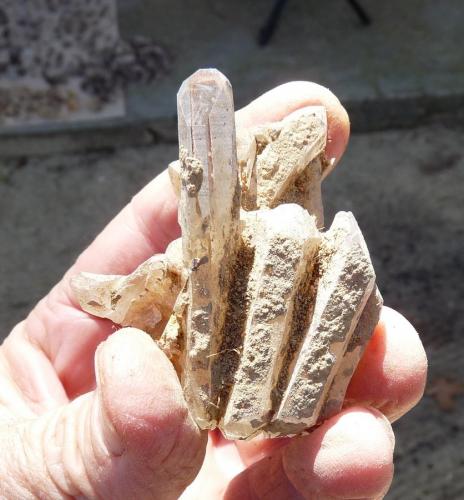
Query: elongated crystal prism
209, 218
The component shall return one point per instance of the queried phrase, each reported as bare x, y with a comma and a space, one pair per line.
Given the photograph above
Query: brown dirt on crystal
227, 359
301, 318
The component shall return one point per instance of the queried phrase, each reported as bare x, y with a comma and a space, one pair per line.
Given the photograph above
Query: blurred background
88, 116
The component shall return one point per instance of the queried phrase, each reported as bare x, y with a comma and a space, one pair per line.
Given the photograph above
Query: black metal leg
268, 29
361, 12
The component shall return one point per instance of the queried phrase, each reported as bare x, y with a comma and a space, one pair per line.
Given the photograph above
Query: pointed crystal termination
304, 187
288, 238
345, 285
144, 299
209, 218
302, 139
358, 343
283, 162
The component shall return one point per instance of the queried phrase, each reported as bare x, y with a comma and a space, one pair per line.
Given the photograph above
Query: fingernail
386, 424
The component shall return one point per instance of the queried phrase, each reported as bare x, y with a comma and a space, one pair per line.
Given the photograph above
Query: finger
143, 228
258, 448
349, 456
391, 375
285, 99
131, 438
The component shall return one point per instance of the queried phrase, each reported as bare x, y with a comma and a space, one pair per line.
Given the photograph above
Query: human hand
86, 412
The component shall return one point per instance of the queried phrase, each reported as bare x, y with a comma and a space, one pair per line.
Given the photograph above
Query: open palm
90, 411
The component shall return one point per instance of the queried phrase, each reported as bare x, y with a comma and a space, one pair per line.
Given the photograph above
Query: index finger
289, 97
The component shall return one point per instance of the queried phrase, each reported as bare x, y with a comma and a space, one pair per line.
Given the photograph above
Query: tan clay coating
264, 315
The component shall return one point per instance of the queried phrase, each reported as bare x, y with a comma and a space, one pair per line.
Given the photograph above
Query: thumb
132, 437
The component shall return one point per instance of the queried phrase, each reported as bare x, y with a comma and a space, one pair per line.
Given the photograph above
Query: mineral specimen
264, 315
209, 218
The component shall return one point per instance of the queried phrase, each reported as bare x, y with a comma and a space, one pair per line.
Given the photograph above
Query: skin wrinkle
104, 465
75, 458
167, 466
20, 405
40, 396
60, 437
83, 438
117, 446
10, 481
175, 439
50, 435
39, 483
11, 484
188, 469
99, 449
99, 452
172, 428
185, 474
79, 406
34, 439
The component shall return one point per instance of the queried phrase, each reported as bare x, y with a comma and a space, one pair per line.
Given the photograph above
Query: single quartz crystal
264, 315
209, 218
361, 335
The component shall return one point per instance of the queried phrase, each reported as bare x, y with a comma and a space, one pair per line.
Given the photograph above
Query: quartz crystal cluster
263, 313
